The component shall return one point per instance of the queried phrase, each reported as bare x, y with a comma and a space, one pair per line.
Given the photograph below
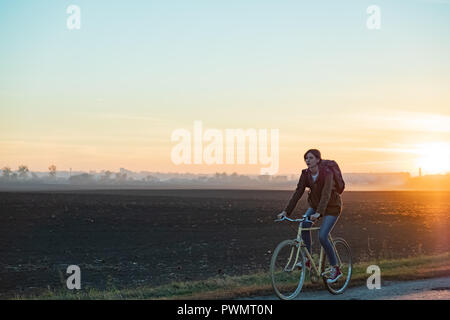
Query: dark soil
128, 238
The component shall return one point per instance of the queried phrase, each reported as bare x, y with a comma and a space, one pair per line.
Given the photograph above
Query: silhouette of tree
121, 177
7, 172
106, 177
23, 171
52, 171
151, 179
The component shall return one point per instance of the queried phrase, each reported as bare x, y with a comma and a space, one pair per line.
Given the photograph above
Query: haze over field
65, 180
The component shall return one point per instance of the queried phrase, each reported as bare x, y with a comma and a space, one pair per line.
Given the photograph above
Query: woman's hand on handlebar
282, 215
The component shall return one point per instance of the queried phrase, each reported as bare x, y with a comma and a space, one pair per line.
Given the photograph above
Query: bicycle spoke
345, 264
287, 276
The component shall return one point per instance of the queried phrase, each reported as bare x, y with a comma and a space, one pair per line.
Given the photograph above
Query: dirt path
429, 289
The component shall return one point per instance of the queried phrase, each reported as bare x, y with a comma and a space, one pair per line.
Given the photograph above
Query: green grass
228, 287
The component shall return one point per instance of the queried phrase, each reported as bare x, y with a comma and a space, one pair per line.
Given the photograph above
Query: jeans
325, 229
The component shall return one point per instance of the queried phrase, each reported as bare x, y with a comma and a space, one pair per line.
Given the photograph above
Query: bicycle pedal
325, 273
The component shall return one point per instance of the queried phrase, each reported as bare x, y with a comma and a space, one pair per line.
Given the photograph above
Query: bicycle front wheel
287, 269
344, 257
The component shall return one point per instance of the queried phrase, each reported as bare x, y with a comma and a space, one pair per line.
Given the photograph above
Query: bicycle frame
301, 246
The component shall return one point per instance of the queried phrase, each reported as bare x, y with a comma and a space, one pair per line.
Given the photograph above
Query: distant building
280, 178
264, 177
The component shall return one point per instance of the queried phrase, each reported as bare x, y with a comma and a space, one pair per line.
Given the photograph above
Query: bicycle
287, 267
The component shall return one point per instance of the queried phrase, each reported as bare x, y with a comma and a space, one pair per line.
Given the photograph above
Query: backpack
337, 175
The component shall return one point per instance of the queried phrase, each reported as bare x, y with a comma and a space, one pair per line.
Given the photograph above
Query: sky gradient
110, 94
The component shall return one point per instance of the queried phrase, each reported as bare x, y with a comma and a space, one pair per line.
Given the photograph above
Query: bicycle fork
291, 268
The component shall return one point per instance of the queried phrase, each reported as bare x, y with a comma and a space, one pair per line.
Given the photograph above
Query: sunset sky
110, 94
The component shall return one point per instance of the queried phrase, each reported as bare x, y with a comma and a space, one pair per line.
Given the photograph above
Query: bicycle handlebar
304, 219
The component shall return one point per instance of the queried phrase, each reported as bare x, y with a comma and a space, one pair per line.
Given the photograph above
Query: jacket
322, 196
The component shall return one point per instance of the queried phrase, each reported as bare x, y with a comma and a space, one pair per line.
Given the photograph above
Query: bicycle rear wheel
287, 276
344, 256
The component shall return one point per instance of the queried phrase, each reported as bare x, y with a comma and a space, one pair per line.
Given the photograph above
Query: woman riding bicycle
323, 201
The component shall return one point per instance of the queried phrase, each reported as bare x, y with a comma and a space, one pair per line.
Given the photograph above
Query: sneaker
335, 274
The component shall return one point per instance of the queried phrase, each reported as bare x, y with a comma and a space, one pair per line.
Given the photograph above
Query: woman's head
312, 157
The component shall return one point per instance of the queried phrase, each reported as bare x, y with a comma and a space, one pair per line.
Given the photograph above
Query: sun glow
434, 158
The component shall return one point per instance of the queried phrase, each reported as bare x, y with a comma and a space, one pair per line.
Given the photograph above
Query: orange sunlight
434, 158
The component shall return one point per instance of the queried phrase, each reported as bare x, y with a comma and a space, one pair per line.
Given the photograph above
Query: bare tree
23, 171
7, 172
52, 171
121, 177
106, 175
151, 179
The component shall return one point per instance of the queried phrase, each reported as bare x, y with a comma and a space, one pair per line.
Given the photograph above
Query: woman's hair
315, 153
